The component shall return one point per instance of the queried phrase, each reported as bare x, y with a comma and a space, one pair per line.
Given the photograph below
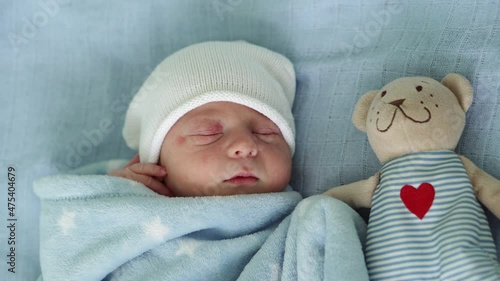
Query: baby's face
223, 148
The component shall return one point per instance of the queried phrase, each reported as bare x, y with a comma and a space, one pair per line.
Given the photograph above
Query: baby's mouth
243, 179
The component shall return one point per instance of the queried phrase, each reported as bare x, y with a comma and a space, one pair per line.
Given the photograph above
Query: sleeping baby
213, 119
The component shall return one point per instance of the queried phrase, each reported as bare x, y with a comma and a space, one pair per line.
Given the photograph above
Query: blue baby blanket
97, 227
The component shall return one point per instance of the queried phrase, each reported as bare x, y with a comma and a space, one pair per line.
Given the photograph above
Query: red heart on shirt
418, 200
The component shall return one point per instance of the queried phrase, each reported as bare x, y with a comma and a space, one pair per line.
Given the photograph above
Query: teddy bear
425, 221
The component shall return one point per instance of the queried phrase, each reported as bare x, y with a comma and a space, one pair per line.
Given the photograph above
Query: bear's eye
419, 88
383, 93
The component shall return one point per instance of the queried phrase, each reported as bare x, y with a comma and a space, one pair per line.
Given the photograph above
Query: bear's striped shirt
426, 224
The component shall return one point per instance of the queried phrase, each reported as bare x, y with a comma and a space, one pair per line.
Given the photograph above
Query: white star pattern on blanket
66, 222
187, 247
155, 229
275, 272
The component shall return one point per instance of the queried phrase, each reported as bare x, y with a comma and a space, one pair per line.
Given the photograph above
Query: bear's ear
461, 87
361, 110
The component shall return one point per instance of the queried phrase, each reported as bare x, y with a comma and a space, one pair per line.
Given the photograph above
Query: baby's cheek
208, 171
280, 171
207, 158
283, 175
179, 140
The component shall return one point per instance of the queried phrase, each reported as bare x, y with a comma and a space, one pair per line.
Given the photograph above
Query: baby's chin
227, 190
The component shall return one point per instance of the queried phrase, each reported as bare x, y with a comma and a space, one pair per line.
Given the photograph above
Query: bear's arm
357, 194
486, 187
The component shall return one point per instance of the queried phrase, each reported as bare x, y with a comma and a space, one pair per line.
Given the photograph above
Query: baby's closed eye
266, 135
204, 138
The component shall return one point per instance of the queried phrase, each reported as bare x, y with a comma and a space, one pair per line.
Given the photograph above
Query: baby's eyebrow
213, 123
204, 119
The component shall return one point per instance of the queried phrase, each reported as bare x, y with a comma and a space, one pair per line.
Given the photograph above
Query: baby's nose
243, 146
246, 152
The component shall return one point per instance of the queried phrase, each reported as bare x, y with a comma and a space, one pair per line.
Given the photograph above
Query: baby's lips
243, 178
243, 174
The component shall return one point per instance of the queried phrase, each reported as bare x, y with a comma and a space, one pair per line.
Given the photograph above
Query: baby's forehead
220, 111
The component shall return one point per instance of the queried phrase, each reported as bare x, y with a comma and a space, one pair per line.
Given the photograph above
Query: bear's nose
397, 102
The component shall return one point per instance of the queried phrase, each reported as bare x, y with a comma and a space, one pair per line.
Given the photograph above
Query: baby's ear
460, 87
361, 110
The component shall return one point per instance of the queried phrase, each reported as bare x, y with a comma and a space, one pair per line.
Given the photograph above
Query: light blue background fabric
70, 68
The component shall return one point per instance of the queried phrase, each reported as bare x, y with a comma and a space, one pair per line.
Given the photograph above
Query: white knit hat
236, 71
